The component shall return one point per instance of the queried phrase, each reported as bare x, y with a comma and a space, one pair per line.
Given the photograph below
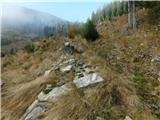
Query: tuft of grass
8, 60
26, 66
29, 48
140, 81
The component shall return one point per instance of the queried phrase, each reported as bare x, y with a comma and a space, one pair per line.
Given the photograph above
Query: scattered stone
159, 76
88, 80
67, 68
2, 83
130, 47
40, 105
99, 118
79, 50
67, 44
84, 78
49, 86
55, 93
70, 62
47, 72
156, 60
127, 118
142, 44
68, 48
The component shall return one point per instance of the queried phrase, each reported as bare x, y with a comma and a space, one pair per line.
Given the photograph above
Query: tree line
119, 8
109, 11
57, 30
116, 8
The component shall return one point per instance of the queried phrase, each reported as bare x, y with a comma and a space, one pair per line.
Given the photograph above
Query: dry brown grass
19, 97
111, 101
23, 77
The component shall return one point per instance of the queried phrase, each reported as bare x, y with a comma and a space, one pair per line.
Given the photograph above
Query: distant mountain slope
19, 24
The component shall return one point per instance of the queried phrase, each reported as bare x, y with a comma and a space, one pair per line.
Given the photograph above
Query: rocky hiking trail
84, 76
73, 85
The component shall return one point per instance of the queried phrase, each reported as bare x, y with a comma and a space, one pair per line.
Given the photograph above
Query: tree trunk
131, 14
134, 16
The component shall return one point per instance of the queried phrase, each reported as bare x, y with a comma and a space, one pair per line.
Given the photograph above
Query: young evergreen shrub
30, 48
89, 31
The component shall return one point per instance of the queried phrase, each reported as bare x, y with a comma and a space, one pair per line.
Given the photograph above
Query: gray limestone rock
127, 118
88, 80
35, 113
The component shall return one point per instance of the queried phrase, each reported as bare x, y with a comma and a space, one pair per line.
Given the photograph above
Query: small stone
99, 118
118, 58
49, 86
47, 72
67, 44
127, 118
2, 83
159, 76
152, 60
79, 50
67, 68
71, 61
88, 80
156, 60
86, 66
141, 44
68, 48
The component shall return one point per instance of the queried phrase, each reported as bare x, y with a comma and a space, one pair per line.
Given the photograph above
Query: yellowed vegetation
123, 58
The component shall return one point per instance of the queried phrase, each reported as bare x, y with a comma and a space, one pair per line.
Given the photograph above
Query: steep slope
128, 61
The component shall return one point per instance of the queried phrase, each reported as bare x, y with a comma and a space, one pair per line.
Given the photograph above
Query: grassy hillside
127, 60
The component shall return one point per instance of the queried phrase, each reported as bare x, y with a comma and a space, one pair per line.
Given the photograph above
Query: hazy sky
71, 10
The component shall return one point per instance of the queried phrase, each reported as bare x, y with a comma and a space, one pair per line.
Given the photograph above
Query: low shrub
30, 48
89, 31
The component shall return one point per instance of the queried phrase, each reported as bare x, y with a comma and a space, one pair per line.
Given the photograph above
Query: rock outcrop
84, 76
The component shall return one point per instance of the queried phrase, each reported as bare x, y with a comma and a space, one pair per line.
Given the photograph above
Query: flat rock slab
34, 110
35, 113
55, 93
88, 80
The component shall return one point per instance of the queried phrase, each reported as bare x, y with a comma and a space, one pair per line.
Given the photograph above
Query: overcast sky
71, 10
